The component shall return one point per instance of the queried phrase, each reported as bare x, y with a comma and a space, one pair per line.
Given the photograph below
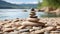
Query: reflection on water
15, 13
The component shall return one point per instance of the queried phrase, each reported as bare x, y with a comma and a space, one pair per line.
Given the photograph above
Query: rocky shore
13, 26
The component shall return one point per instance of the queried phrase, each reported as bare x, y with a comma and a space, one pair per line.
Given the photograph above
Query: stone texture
16, 32
55, 32
37, 28
25, 33
24, 30
26, 23
33, 19
45, 29
8, 29
5, 33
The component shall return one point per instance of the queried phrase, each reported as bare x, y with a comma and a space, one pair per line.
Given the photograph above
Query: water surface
15, 13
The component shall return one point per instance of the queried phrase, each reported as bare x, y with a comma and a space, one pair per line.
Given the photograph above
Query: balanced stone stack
33, 17
32, 20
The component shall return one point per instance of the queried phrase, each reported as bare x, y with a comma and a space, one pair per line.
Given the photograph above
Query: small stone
29, 27
21, 27
32, 16
45, 29
1, 32
46, 32
14, 32
37, 28
8, 29
32, 30
58, 27
54, 32
25, 33
5, 32
7, 25
24, 30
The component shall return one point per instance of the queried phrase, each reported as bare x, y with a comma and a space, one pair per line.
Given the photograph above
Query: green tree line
50, 3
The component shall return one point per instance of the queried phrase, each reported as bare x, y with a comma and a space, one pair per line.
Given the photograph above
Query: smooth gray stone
24, 30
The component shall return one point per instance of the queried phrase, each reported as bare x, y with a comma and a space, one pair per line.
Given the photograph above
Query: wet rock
24, 30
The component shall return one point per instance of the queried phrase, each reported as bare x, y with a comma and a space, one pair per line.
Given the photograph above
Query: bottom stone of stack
27, 23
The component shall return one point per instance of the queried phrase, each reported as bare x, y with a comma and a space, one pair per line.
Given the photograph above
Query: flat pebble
32, 32
29, 27
37, 28
5, 33
16, 32
24, 30
25, 33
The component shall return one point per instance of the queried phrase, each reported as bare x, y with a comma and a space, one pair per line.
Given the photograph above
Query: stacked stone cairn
33, 20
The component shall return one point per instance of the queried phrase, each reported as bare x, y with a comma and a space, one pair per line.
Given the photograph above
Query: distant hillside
6, 5
29, 5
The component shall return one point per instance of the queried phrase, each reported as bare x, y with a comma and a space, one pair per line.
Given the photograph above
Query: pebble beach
13, 26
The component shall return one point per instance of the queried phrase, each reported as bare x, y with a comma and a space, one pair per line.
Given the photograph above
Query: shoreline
14, 25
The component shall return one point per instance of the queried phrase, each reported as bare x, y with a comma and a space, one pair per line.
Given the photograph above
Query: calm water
15, 13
